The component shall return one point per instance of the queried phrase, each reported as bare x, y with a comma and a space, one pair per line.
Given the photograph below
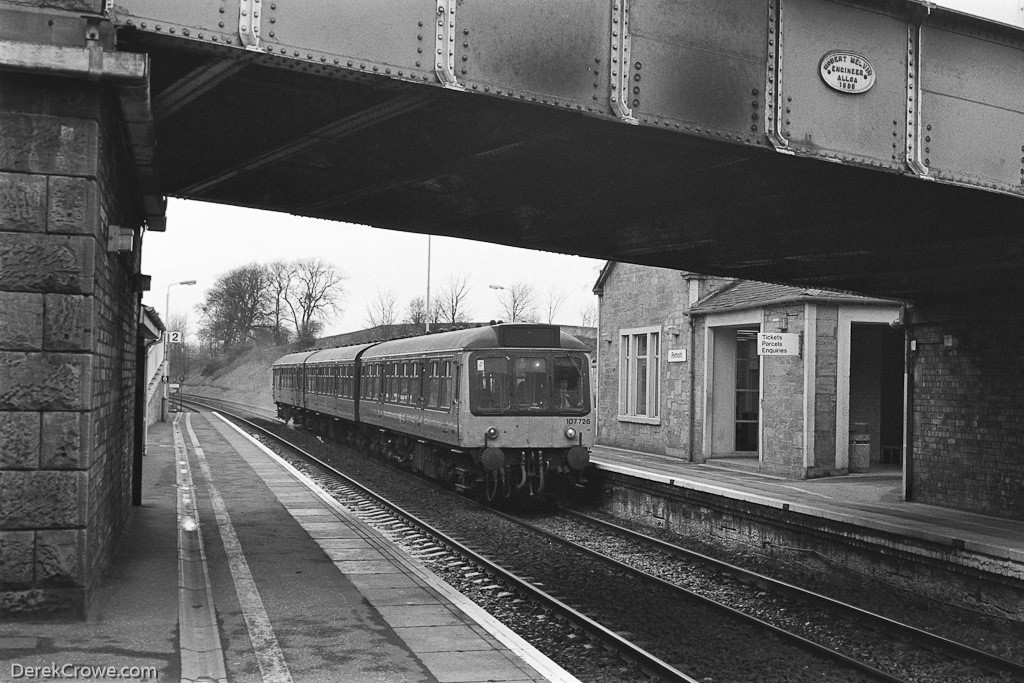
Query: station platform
236, 569
871, 501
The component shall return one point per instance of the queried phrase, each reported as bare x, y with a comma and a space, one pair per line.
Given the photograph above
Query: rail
913, 634
645, 661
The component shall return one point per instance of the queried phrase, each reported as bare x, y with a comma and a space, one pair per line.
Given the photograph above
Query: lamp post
167, 357
498, 295
427, 328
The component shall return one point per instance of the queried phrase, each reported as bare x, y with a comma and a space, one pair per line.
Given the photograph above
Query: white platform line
202, 657
515, 644
273, 667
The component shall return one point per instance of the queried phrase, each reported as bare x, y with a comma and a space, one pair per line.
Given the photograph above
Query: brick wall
968, 419
68, 313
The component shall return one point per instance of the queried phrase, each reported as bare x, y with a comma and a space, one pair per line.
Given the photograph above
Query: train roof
297, 358
506, 335
322, 355
340, 353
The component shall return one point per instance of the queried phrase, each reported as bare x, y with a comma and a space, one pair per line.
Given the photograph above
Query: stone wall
639, 296
68, 315
968, 417
782, 400
825, 388
636, 297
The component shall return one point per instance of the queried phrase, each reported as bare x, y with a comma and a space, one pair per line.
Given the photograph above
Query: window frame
628, 379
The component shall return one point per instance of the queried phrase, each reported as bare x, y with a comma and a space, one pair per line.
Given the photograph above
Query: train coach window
432, 382
490, 385
569, 373
403, 383
531, 384
446, 385
366, 383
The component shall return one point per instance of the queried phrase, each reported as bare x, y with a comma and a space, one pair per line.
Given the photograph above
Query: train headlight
491, 433
570, 433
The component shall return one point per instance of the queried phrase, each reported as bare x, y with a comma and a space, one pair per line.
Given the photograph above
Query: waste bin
860, 447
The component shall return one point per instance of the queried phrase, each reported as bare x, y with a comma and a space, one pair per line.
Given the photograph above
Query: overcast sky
204, 241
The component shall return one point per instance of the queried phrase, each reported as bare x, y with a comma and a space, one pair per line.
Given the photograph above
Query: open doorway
735, 392
876, 397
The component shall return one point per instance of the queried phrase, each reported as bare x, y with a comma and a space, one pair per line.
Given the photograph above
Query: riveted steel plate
537, 49
185, 18
378, 32
866, 127
973, 108
699, 62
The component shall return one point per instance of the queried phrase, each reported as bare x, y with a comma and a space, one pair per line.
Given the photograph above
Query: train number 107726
577, 420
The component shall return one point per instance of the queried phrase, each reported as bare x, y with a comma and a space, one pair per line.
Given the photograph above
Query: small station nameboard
778, 344
677, 356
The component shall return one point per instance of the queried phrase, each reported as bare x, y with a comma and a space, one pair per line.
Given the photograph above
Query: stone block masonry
68, 315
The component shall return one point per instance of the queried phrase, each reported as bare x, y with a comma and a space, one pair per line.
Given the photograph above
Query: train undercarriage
487, 474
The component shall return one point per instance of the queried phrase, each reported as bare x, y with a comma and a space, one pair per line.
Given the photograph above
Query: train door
457, 393
419, 392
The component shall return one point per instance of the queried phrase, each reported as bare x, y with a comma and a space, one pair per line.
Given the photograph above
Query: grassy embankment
244, 378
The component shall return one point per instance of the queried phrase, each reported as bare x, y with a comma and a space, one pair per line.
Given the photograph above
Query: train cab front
532, 413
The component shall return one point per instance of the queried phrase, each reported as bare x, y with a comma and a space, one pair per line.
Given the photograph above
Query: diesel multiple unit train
502, 411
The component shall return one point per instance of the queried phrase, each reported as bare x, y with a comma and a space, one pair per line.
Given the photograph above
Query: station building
680, 372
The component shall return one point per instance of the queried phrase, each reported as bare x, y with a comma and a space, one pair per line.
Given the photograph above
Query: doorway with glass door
736, 395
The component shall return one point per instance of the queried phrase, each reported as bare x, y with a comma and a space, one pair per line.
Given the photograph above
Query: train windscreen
529, 383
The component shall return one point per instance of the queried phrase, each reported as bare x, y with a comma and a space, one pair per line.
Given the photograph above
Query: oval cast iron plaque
847, 72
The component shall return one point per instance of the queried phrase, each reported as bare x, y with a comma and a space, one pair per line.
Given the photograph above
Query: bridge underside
238, 128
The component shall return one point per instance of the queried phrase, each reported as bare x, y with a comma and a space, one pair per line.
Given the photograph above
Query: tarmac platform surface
872, 500
235, 569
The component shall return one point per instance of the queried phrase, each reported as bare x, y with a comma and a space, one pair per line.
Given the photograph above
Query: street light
167, 301
167, 356
497, 287
427, 326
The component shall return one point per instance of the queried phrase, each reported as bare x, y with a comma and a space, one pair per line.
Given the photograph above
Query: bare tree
517, 302
588, 316
281, 278
383, 310
554, 301
236, 306
451, 301
416, 311
315, 294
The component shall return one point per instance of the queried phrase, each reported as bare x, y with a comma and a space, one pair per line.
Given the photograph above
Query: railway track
430, 543
953, 661
644, 545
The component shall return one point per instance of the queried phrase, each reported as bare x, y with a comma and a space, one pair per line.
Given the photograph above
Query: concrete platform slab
336, 600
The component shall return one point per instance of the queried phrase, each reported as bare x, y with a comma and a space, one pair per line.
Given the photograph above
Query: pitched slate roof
743, 294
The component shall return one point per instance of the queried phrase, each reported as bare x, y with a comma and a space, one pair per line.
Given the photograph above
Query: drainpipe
909, 356
691, 358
